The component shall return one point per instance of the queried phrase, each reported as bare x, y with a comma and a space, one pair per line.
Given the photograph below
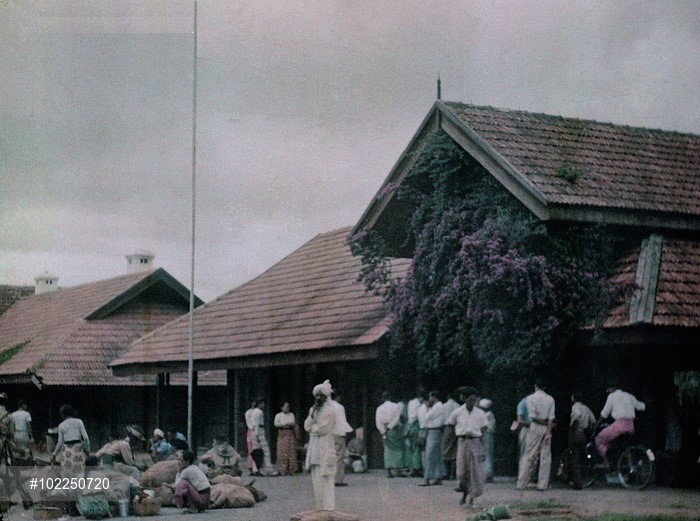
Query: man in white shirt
622, 407
470, 424
434, 424
412, 428
582, 419
258, 419
387, 419
449, 440
538, 442
340, 431
254, 462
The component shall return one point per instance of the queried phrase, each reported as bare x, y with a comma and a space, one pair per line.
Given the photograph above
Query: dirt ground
372, 496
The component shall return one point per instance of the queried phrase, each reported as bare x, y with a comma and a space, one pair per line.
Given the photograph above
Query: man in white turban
320, 455
160, 448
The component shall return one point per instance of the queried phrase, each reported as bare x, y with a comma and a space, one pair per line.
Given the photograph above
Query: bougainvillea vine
489, 283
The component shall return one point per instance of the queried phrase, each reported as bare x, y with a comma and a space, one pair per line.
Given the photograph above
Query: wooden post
237, 411
230, 413
160, 400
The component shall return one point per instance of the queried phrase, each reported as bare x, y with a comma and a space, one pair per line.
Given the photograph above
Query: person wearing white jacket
320, 455
387, 419
434, 423
342, 428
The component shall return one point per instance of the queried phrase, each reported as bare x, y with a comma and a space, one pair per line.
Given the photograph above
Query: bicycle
634, 467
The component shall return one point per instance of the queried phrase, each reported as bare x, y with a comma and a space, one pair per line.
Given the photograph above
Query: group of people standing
328, 428
426, 437
535, 420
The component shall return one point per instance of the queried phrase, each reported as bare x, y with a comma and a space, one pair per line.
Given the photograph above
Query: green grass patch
612, 517
533, 505
569, 173
634, 517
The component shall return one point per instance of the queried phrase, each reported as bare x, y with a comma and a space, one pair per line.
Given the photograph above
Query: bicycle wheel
635, 468
587, 465
588, 470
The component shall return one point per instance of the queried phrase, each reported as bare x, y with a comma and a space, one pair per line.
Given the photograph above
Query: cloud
303, 108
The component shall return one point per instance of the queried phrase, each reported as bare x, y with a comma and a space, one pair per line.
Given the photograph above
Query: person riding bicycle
622, 406
582, 420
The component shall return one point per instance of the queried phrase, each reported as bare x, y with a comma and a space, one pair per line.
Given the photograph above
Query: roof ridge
570, 118
177, 321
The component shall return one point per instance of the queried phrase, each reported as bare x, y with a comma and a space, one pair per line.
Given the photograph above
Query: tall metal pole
190, 358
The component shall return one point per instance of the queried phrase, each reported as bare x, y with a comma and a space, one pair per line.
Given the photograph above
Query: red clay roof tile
309, 300
63, 347
619, 166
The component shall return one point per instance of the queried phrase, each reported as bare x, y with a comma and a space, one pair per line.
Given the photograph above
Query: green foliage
489, 284
569, 173
9, 353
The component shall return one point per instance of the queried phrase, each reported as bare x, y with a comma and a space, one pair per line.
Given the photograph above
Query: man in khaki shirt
538, 442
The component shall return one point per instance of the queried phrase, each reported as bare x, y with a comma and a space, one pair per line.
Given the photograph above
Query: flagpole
190, 359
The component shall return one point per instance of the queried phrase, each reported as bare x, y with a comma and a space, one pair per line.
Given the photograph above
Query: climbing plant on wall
489, 283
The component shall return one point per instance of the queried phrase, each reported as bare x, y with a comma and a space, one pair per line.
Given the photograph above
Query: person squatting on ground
177, 440
192, 487
160, 448
388, 422
470, 424
320, 455
287, 435
538, 442
485, 405
434, 424
621, 406
582, 420
340, 431
119, 453
357, 451
411, 430
222, 458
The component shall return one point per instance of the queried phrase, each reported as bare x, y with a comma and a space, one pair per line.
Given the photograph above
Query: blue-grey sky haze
303, 108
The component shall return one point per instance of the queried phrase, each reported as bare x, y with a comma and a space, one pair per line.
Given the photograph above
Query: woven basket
147, 506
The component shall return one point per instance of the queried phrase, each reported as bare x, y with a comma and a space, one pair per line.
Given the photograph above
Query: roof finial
439, 93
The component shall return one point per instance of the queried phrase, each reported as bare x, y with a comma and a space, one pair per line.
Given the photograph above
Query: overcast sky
303, 108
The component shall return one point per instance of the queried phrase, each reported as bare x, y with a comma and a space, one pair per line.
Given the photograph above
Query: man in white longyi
320, 455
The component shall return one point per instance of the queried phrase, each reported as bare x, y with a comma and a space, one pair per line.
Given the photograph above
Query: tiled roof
62, 347
11, 294
618, 166
310, 300
677, 291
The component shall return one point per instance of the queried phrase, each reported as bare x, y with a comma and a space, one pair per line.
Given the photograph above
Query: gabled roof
66, 337
625, 175
308, 307
11, 294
